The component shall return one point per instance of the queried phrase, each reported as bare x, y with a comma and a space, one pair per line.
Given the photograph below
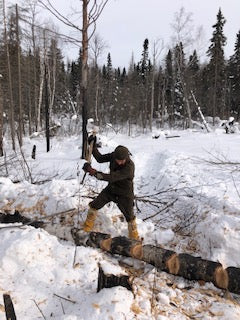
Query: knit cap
121, 153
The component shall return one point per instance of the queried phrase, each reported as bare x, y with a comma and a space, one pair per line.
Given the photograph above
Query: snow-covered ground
193, 181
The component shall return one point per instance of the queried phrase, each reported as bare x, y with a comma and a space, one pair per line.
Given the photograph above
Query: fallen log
18, 218
184, 265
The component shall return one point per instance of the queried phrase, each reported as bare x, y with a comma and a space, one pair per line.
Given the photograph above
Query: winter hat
121, 153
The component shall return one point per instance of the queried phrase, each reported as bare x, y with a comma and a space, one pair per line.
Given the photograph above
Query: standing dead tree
89, 17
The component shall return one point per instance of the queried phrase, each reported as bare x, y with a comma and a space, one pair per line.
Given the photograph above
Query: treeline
34, 76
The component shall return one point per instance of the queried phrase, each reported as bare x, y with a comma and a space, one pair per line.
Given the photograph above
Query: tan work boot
132, 230
89, 222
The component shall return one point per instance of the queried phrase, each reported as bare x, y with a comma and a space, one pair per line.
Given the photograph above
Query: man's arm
101, 157
125, 173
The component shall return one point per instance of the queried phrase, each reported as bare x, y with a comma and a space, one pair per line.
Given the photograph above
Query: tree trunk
1, 117
47, 110
20, 116
84, 80
38, 120
111, 280
12, 120
184, 265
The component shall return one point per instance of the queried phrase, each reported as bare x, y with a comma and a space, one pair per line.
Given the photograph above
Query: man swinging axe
119, 188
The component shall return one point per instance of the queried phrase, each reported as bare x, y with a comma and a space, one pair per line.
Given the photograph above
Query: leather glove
88, 168
91, 139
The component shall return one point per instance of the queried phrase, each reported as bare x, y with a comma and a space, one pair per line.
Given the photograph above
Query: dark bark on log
9, 309
234, 279
12, 218
18, 218
111, 280
184, 265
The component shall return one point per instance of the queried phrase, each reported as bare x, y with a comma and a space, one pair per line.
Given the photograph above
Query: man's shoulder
130, 163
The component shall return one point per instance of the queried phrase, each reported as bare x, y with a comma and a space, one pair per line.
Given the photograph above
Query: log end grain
172, 264
106, 244
221, 278
137, 251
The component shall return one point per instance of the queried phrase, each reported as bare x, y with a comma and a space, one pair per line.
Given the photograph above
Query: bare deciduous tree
90, 14
157, 48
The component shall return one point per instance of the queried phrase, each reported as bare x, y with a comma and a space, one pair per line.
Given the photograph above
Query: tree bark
84, 80
184, 265
20, 109
1, 117
9, 309
12, 120
111, 280
47, 110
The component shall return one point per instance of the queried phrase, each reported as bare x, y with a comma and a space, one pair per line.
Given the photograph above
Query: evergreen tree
56, 77
109, 70
108, 90
144, 68
234, 79
179, 68
75, 77
193, 80
169, 86
217, 68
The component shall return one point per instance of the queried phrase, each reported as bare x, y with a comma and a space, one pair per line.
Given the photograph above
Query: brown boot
89, 222
132, 230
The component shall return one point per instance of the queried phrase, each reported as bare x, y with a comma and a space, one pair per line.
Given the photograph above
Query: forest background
40, 89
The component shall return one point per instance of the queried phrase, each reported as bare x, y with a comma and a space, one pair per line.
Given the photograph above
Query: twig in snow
62, 308
155, 214
74, 257
57, 214
39, 309
234, 182
153, 288
67, 299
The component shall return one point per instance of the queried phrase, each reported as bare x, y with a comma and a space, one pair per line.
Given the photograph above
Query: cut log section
111, 280
9, 309
184, 265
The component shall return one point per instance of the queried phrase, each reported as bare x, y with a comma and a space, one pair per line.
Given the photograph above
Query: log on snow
111, 280
184, 265
18, 218
9, 309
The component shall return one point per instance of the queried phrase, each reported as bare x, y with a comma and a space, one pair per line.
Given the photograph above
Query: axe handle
89, 156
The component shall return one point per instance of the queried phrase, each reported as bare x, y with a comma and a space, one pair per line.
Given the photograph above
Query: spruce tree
217, 69
193, 80
234, 79
179, 69
169, 86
